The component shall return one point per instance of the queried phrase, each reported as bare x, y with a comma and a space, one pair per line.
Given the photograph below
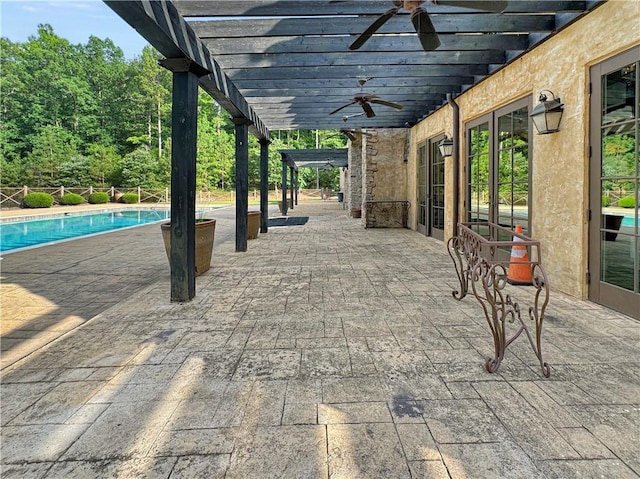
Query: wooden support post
292, 185
284, 185
295, 191
264, 185
242, 183
184, 122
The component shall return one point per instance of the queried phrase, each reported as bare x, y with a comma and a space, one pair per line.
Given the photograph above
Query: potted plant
205, 233
253, 224
289, 204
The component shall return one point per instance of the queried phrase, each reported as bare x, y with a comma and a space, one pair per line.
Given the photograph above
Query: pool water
23, 234
629, 221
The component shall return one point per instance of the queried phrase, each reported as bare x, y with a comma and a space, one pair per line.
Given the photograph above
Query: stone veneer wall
384, 174
353, 197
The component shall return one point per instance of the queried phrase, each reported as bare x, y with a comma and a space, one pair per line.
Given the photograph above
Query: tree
153, 100
52, 145
75, 172
104, 165
139, 168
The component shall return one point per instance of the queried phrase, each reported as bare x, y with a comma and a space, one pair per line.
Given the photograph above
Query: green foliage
606, 201
139, 168
98, 198
38, 200
82, 115
71, 199
129, 198
627, 202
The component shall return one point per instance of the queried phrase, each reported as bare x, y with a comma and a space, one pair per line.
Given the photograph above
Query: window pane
619, 151
505, 129
618, 259
619, 95
521, 164
505, 167
521, 127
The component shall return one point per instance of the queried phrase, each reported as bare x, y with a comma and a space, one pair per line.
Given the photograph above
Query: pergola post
184, 122
242, 182
293, 182
264, 185
284, 185
295, 191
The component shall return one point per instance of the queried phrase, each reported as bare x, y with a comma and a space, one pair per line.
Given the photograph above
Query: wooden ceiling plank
377, 43
477, 22
360, 58
234, 8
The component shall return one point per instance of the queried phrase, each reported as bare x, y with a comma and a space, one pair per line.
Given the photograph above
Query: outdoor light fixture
446, 147
547, 114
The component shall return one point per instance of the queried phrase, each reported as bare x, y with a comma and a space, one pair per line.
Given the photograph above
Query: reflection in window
478, 162
620, 180
513, 165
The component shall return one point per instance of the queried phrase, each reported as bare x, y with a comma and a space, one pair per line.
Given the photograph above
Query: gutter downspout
455, 133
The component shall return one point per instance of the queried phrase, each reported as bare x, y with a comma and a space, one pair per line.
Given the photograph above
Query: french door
498, 167
431, 189
614, 236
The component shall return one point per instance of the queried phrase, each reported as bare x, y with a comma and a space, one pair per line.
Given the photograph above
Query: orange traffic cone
519, 268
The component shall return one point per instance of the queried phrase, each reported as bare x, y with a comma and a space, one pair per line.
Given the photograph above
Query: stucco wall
560, 163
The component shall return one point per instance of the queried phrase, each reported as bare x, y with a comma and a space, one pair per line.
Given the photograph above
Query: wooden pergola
293, 160
285, 65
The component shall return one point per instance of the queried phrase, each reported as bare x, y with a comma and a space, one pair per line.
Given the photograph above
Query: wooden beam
378, 43
258, 8
184, 121
333, 83
242, 183
275, 60
264, 186
345, 25
284, 184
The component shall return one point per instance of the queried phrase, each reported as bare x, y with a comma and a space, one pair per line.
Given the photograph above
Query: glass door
422, 189
436, 189
614, 237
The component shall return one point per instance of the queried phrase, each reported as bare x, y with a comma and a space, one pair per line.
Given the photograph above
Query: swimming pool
17, 235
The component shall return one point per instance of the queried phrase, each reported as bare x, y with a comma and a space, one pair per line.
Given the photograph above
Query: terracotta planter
289, 204
205, 233
356, 212
253, 224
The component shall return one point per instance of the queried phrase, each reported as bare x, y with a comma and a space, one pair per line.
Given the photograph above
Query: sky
71, 19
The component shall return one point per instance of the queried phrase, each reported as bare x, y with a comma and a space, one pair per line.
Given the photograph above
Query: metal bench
480, 254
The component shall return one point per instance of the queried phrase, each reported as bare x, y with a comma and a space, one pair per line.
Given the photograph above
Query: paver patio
324, 351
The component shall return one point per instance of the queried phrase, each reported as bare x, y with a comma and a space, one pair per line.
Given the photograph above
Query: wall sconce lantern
446, 147
547, 114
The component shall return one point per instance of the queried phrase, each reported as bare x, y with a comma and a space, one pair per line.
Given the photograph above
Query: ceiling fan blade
373, 28
494, 6
425, 29
388, 103
342, 107
368, 110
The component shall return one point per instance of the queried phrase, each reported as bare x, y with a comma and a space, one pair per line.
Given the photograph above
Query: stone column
384, 170
354, 183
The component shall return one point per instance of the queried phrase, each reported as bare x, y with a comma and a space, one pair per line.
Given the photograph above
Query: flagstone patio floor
326, 350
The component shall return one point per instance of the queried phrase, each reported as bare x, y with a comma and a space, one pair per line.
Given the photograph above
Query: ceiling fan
365, 100
421, 21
